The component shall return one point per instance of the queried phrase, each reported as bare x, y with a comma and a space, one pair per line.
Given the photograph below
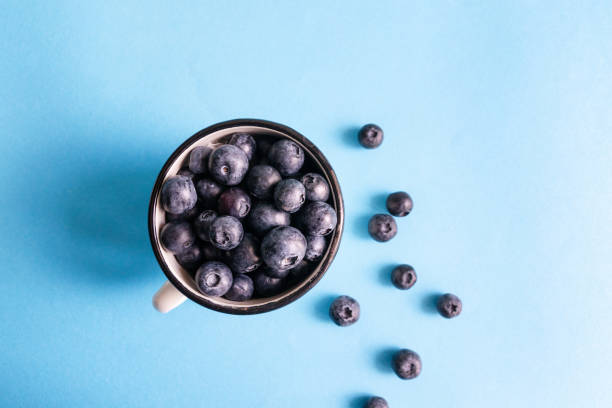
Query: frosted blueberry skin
242, 289
245, 142
261, 181
228, 165
198, 159
245, 258
382, 227
177, 237
316, 187
289, 195
188, 215
344, 311
376, 402
283, 248
286, 156
399, 204
202, 222
266, 286
226, 232
315, 247
406, 364
214, 278
449, 305
370, 136
208, 192
178, 195
265, 216
235, 202
186, 172
403, 277
317, 218
191, 258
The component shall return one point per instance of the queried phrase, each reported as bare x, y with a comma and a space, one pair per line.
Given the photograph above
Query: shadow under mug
181, 285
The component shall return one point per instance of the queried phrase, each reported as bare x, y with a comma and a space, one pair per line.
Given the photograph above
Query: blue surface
498, 121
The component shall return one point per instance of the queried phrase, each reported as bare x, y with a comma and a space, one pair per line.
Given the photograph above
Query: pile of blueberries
345, 310
248, 219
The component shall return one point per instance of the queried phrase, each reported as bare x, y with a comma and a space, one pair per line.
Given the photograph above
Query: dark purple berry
382, 227
265, 216
399, 204
177, 237
266, 286
228, 165
315, 248
245, 142
214, 278
198, 159
318, 218
245, 258
235, 202
449, 305
344, 311
403, 276
283, 248
406, 364
261, 181
241, 290
289, 195
191, 258
209, 192
287, 156
202, 223
316, 187
226, 232
178, 195
376, 402
370, 136
186, 172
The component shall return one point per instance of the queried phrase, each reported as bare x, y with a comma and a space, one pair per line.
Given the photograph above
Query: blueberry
403, 276
191, 258
382, 227
184, 216
235, 202
214, 278
241, 290
286, 156
449, 305
245, 257
226, 232
275, 273
344, 311
315, 247
178, 195
283, 248
186, 172
318, 218
198, 159
176, 237
289, 195
201, 224
261, 181
370, 136
264, 216
406, 364
301, 270
245, 142
376, 402
228, 165
209, 192
210, 252
316, 186
399, 204
266, 286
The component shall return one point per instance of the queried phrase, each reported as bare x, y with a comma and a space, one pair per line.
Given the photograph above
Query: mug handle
167, 298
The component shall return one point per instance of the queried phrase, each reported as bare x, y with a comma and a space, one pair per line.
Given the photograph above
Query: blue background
498, 121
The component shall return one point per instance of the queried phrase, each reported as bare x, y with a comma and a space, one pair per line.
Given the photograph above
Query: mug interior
180, 277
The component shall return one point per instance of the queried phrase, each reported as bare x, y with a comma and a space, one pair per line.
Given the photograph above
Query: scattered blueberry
449, 305
191, 257
261, 181
241, 290
202, 223
176, 237
370, 136
226, 232
245, 142
235, 202
228, 165
382, 227
265, 216
186, 172
214, 278
403, 276
266, 286
315, 247
198, 159
399, 204
289, 195
178, 195
318, 218
286, 156
245, 257
406, 364
376, 402
344, 311
283, 248
209, 192
316, 187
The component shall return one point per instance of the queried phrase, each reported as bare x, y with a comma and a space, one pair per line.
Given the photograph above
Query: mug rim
323, 265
